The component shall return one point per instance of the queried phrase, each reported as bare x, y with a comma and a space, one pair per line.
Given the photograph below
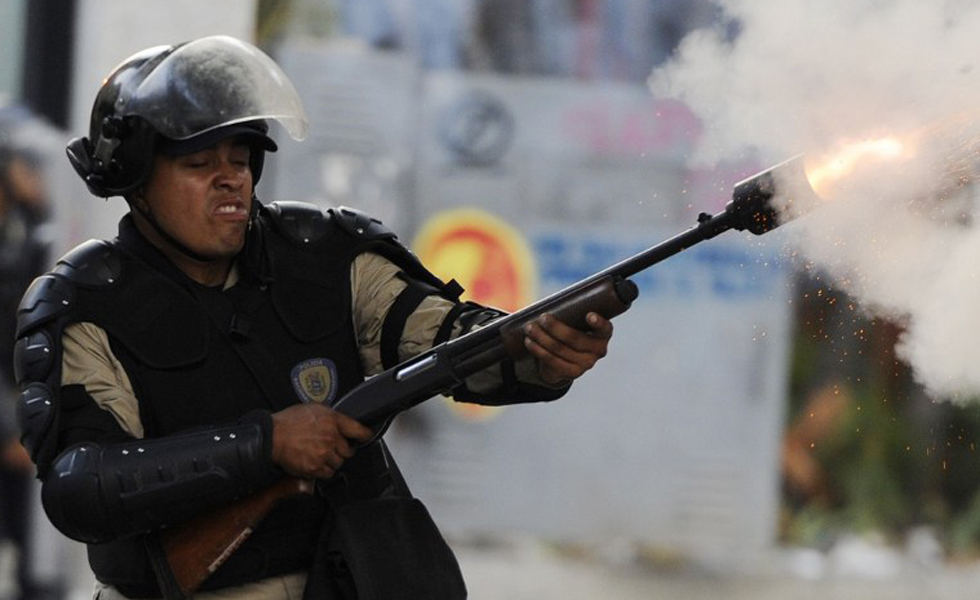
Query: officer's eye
196, 160
240, 156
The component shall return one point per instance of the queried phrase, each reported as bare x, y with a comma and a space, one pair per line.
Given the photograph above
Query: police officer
23, 256
191, 360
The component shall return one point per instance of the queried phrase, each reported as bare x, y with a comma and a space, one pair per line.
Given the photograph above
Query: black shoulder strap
401, 309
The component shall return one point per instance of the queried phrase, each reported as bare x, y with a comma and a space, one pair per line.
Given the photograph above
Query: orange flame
827, 172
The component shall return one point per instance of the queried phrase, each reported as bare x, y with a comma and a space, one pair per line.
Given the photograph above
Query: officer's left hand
13, 456
565, 353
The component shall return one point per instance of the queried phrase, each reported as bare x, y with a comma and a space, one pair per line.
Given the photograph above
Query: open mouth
231, 209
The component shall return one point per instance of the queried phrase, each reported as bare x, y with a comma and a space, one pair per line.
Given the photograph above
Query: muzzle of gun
754, 207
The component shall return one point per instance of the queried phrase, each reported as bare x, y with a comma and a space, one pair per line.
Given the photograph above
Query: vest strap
394, 324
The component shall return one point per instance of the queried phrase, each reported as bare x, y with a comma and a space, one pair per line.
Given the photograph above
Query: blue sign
715, 270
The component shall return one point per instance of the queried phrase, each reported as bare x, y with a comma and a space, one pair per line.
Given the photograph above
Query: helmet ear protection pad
117, 156
119, 161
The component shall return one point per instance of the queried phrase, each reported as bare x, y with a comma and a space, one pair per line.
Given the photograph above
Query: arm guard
95, 493
41, 318
99, 483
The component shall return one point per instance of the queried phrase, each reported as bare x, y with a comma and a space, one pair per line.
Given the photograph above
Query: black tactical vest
198, 357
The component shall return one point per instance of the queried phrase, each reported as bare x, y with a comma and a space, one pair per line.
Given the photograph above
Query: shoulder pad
92, 264
48, 298
300, 222
360, 224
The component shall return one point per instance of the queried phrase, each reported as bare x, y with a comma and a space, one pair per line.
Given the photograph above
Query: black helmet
179, 99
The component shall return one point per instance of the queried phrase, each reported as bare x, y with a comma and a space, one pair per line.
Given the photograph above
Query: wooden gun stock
196, 548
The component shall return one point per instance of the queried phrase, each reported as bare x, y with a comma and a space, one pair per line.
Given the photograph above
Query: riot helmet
180, 99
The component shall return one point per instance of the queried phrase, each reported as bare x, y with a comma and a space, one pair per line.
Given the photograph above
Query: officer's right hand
311, 440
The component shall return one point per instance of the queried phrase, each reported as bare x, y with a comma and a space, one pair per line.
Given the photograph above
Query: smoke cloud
901, 233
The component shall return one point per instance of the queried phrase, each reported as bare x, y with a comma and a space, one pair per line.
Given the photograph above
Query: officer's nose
231, 174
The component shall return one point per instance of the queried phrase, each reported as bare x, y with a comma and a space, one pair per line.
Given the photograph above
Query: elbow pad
96, 493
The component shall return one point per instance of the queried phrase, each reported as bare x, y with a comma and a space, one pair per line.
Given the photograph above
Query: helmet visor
214, 82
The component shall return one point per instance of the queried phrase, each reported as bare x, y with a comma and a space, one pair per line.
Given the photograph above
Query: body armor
208, 367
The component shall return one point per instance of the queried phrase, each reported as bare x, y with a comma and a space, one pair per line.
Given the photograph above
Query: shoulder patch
300, 222
92, 264
361, 225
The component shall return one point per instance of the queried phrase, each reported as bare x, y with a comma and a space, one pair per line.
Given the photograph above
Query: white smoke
902, 236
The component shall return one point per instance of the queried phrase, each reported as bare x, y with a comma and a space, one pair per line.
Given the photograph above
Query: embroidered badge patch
315, 380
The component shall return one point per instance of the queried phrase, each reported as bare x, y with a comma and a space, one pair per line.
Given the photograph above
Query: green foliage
871, 466
893, 458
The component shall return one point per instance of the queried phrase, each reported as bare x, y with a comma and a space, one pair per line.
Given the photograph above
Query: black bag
384, 549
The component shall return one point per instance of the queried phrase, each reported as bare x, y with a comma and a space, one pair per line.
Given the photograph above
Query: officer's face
203, 199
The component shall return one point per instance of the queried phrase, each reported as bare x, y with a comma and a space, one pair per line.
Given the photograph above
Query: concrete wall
12, 15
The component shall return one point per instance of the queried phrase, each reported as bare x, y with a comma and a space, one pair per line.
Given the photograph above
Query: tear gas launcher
608, 292
195, 549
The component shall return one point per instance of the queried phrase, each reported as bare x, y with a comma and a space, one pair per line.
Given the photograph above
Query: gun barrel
768, 199
751, 208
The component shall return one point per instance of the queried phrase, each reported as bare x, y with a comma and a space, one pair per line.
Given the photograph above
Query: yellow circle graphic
488, 257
